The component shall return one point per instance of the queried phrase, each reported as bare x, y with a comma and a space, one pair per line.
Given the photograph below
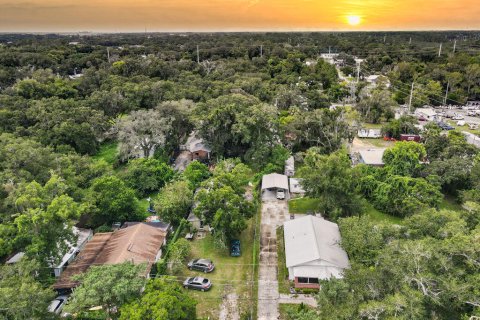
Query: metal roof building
275, 181
372, 157
313, 251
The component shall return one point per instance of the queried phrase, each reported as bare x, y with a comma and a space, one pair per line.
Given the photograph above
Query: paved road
274, 213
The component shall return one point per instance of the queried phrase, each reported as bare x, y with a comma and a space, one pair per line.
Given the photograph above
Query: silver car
57, 304
197, 283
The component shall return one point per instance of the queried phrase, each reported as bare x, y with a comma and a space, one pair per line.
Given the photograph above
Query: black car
203, 265
197, 283
235, 248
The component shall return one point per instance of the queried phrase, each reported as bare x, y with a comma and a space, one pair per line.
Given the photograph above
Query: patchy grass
466, 128
231, 273
303, 205
285, 309
282, 274
378, 216
108, 152
379, 143
449, 203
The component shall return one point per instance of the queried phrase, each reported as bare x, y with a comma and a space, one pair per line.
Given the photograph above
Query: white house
427, 114
313, 252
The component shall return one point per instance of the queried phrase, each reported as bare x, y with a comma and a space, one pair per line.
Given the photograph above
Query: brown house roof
138, 243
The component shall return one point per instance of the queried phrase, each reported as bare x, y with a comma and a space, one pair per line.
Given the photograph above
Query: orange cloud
229, 15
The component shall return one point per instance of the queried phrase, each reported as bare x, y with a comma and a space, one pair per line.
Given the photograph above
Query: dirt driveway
274, 213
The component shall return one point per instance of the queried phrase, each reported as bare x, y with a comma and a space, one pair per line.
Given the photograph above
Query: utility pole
261, 50
454, 45
358, 71
329, 49
411, 98
446, 94
384, 38
108, 54
410, 41
440, 50
198, 55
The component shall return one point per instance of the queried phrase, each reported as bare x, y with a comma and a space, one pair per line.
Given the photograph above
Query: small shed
290, 167
197, 147
296, 186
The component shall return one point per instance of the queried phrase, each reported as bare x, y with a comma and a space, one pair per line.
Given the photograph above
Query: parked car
461, 123
57, 304
235, 248
458, 117
445, 126
197, 283
204, 265
471, 113
280, 194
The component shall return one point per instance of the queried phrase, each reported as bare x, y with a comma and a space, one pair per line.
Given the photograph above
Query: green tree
142, 132
162, 299
404, 158
195, 173
330, 179
403, 125
147, 175
45, 220
174, 201
375, 105
22, 296
109, 286
178, 252
403, 196
112, 201
322, 128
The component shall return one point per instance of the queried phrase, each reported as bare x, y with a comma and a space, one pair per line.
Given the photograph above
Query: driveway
274, 213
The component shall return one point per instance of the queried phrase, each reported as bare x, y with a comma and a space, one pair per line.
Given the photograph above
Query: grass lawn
303, 205
108, 152
282, 275
378, 216
230, 274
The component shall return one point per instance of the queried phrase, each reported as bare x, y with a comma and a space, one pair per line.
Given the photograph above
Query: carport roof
275, 180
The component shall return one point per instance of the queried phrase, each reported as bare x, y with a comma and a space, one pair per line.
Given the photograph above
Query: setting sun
354, 20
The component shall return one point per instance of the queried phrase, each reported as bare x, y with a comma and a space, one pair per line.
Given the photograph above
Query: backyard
232, 278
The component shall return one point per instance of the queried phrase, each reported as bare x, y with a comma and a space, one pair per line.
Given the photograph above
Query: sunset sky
236, 15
